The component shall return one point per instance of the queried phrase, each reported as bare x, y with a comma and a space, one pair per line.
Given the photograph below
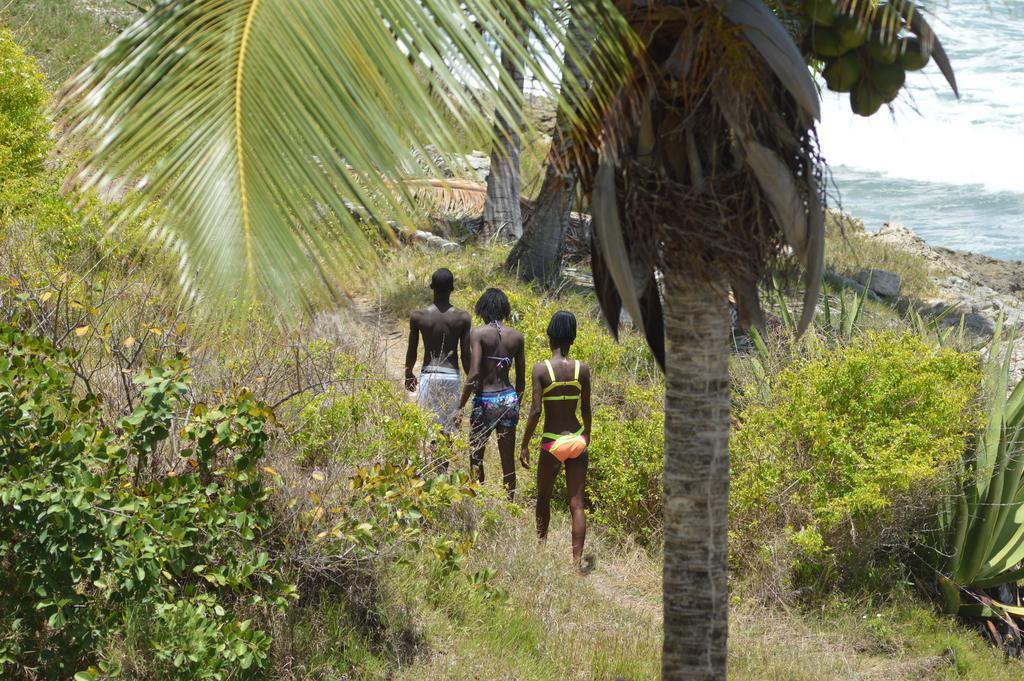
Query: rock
858, 288
433, 241
479, 163
437, 160
973, 323
882, 282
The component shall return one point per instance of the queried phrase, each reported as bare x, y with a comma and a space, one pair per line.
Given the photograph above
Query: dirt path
631, 580
390, 335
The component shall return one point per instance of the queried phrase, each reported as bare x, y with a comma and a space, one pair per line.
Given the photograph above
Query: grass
64, 34
902, 640
606, 625
849, 249
554, 624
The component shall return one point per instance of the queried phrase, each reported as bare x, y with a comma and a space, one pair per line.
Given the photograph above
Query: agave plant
983, 527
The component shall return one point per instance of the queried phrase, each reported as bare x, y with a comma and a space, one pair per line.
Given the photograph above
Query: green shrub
843, 455
627, 458
24, 141
363, 420
91, 525
37, 221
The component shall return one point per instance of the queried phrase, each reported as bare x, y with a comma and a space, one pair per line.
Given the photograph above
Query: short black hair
493, 306
562, 327
442, 280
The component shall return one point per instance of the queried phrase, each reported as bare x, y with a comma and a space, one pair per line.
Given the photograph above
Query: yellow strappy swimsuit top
575, 383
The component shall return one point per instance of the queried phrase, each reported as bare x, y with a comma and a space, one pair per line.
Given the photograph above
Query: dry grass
555, 624
855, 642
849, 249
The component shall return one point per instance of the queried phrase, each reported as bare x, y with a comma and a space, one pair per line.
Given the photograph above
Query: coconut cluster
864, 48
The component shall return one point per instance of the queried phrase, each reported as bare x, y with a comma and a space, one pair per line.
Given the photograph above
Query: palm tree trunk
537, 256
695, 587
503, 217
538, 253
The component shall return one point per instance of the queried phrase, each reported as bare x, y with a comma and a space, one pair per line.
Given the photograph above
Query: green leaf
267, 129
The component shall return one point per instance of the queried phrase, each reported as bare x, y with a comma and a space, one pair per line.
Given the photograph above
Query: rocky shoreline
977, 287
971, 283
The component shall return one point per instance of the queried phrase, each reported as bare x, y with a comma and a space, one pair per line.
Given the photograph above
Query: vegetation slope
256, 499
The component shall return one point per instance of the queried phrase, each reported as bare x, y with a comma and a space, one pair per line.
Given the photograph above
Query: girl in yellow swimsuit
561, 390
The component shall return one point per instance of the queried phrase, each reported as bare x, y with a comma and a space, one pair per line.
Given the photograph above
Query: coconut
864, 100
887, 22
852, 31
883, 52
843, 73
821, 12
825, 42
887, 79
912, 56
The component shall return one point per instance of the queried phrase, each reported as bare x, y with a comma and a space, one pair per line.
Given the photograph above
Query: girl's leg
547, 469
477, 442
575, 480
507, 450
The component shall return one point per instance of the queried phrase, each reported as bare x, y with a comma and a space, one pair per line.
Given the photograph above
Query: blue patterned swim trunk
493, 409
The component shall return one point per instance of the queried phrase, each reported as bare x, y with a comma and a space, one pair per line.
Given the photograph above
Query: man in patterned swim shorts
445, 331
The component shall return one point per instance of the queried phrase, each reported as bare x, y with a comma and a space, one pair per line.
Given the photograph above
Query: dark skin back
485, 375
559, 415
445, 330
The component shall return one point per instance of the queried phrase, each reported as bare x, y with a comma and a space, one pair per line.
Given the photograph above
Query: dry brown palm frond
449, 199
717, 161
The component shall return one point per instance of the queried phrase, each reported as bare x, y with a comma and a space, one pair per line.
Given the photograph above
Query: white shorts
439, 393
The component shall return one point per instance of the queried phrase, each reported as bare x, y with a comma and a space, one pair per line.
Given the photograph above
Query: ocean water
953, 171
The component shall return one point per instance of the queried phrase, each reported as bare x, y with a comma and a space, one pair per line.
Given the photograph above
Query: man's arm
534, 418
410, 353
464, 344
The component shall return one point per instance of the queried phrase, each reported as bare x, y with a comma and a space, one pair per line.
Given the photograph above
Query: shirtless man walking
445, 330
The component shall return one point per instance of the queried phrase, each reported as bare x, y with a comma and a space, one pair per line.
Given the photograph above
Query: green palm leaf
257, 124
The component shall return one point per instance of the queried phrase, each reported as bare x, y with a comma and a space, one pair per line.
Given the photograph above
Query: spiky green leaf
260, 124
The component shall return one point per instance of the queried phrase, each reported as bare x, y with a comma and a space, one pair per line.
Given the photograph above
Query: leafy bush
627, 459
24, 130
842, 456
363, 419
36, 220
90, 526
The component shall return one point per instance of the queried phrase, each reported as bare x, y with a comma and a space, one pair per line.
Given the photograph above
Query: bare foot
587, 565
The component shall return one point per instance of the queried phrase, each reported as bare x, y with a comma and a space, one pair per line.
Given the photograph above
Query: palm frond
449, 198
604, 211
254, 122
775, 45
929, 41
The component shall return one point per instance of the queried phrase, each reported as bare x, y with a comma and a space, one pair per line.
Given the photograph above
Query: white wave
958, 150
933, 137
